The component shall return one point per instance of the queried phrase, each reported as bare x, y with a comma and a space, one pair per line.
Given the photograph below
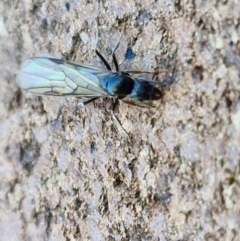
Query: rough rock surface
68, 172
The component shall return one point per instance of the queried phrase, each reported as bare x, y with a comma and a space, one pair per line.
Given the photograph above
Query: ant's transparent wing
57, 77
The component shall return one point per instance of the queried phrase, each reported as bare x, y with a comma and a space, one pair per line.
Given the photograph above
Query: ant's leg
114, 50
113, 54
103, 60
99, 55
116, 119
137, 103
139, 72
89, 101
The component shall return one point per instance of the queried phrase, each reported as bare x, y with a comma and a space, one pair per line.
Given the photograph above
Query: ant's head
145, 90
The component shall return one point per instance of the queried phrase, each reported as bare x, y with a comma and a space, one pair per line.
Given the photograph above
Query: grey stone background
67, 172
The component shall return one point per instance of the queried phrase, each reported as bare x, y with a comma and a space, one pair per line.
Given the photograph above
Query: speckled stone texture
68, 172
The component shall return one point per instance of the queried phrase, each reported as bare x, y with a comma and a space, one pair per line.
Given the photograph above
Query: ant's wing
52, 76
